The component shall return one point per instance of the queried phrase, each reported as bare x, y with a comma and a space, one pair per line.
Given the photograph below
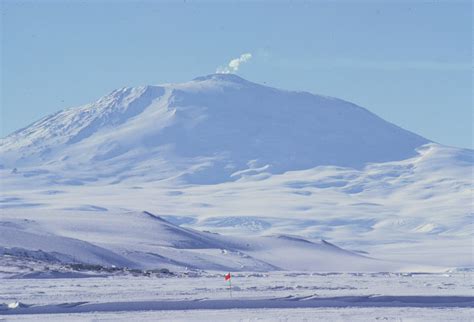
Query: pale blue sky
407, 61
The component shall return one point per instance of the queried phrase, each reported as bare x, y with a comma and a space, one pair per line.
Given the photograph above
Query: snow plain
255, 296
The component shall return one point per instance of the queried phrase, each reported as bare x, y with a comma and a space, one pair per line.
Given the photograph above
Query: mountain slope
151, 242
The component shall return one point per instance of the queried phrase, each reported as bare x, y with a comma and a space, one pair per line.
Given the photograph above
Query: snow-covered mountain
213, 129
226, 155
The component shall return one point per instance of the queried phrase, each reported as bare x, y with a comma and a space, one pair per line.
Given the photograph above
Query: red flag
227, 276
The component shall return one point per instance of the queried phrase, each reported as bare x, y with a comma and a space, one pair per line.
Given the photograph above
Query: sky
407, 61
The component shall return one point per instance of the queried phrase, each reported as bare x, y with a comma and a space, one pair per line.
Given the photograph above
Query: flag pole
228, 277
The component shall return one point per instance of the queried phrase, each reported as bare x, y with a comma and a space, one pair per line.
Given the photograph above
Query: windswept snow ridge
272, 303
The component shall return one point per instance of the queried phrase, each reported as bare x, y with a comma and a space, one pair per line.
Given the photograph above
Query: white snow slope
222, 154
